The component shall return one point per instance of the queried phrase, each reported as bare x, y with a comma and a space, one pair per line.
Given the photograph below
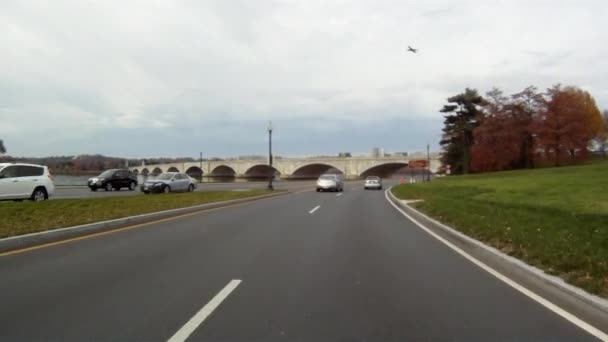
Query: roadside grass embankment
18, 218
555, 219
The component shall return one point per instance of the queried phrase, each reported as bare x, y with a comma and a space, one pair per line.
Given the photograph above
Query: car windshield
165, 176
373, 178
107, 173
327, 177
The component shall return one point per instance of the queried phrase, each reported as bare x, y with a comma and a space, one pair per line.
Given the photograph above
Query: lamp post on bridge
270, 187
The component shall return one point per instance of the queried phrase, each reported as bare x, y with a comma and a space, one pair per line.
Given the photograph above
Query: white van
25, 181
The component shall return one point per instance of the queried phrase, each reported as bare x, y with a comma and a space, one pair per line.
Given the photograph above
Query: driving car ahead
113, 179
373, 182
330, 183
169, 182
25, 181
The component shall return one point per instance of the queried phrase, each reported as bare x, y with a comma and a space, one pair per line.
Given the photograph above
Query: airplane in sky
411, 49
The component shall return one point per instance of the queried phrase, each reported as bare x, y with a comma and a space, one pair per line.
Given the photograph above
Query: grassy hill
555, 218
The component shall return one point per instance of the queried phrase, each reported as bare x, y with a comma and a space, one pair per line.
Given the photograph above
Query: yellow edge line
139, 225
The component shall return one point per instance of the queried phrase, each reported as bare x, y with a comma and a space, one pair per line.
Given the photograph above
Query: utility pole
428, 163
270, 187
200, 158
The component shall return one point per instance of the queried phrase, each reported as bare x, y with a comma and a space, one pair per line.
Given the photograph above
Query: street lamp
270, 187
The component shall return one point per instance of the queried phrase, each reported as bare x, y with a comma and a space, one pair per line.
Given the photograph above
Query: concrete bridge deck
351, 167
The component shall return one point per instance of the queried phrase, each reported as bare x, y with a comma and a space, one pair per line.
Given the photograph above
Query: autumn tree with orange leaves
568, 124
529, 128
498, 137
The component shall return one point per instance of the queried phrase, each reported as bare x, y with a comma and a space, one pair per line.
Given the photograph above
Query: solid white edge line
314, 209
544, 302
184, 332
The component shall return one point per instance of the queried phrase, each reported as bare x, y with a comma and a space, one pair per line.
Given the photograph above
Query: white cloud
78, 67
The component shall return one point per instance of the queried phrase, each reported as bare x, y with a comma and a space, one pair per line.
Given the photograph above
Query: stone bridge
289, 168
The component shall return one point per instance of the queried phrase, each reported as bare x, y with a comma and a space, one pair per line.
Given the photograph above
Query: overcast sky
172, 78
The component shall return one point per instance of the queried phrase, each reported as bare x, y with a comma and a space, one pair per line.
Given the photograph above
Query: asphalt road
311, 266
62, 192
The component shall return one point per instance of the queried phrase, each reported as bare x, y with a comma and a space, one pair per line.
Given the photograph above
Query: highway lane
63, 192
353, 269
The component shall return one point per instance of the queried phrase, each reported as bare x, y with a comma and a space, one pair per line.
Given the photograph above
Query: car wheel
167, 189
190, 188
108, 187
132, 186
39, 194
117, 188
93, 189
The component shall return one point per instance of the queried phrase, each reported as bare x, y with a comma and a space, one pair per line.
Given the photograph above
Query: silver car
330, 183
373, 182
169, 182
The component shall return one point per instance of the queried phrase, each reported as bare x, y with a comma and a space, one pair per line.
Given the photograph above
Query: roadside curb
504, 263
34, 239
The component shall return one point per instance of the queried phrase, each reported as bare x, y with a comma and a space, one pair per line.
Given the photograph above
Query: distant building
377, 152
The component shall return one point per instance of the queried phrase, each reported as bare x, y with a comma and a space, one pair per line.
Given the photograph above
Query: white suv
25, 181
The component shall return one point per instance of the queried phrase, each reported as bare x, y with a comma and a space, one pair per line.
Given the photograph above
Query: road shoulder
582, 305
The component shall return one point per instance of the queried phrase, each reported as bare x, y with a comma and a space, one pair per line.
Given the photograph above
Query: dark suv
113, 179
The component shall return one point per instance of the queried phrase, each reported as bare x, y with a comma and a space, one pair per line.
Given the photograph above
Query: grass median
555, 219
18, 218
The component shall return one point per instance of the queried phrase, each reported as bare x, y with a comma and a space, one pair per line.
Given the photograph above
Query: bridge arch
385, 170
145, 172
157, 171
262, 171
223, 171
135, 172
314, 170
195, 172
172, 169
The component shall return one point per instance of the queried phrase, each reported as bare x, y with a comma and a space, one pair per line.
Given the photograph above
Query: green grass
554, 218
29, 217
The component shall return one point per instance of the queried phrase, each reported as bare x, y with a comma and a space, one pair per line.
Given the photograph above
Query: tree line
523, 130
84, 164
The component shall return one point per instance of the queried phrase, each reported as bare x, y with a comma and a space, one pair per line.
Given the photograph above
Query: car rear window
327, 177
29, 171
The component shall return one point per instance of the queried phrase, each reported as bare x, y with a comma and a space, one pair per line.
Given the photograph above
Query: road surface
63, 192
305, 266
